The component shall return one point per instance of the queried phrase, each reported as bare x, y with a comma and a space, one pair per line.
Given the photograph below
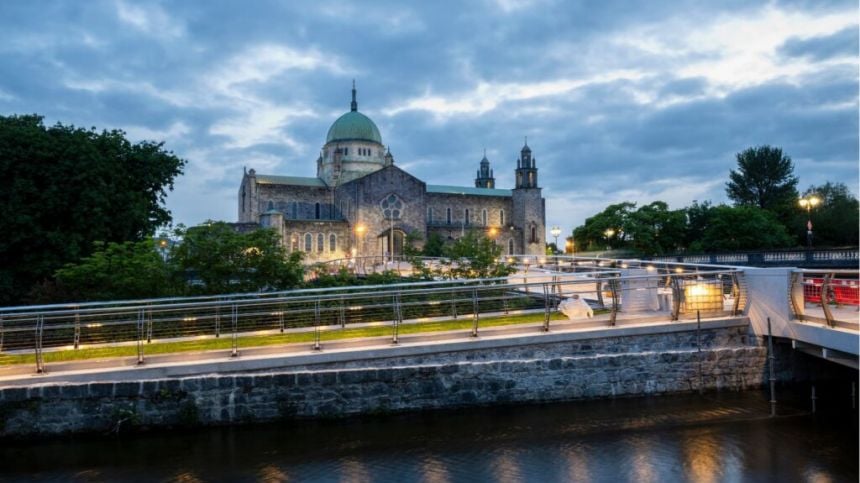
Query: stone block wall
596, 368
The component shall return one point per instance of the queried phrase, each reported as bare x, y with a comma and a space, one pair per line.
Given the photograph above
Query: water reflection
725, 438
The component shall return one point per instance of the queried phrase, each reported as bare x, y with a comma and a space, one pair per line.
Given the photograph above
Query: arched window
317, 211
533, 237
448, 215
270, 206
484, 217
243, 199
332, 243
466, 216
502, 217
309, 242
429, 215
320, 242
294, 210
511, 246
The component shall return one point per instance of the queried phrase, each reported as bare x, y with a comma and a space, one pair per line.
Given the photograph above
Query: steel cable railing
665, 293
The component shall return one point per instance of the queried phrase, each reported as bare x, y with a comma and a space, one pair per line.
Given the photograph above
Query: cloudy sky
618, 102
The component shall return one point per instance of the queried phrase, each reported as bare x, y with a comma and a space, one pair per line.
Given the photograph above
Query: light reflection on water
724, 437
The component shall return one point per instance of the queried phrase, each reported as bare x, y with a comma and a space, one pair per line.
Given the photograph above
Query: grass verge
225, 341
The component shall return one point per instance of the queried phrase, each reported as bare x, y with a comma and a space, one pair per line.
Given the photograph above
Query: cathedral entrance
385, 239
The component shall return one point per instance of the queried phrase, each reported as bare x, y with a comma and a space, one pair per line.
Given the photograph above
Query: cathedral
362, 204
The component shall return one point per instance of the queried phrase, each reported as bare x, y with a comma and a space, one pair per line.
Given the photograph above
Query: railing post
699, 350
149, 324
2, 333
317, 345
141, 315
794, 279
342, 314
281, 316
736, 294
77, 342
40, 324
614, 311
546, 304
599, 289
234, 318
218, 319
771, 358
825, 299
453, 304
398, 318
676, 298
475, 309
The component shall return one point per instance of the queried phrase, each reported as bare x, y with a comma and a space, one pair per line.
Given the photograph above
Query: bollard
770, 358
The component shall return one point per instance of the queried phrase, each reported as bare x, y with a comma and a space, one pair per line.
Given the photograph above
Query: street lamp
608, 234
556, 231
359, 232
810, 202
162, 247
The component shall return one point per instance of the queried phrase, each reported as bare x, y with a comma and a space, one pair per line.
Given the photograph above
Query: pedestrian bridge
816, 310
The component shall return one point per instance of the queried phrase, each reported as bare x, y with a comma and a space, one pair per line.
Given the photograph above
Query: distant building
361, 203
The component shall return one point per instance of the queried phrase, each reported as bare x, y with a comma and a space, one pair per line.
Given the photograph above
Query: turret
485, 174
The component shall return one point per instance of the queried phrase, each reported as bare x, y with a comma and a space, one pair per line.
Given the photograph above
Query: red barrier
843, 291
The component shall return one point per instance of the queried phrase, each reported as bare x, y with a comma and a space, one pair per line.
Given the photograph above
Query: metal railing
669, 295
828, 296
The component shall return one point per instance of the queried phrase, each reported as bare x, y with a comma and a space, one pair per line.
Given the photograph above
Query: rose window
392, 207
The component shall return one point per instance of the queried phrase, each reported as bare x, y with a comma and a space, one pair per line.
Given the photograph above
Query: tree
835, 219
475, 256
115, 271
743, 228
592, 235
765, 178
434, 246
654, 229
221, 260
66, 188
698, 217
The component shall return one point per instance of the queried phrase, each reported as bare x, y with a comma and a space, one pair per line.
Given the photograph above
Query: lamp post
359, 236
809, 202
556, 231
608, 234
162, 247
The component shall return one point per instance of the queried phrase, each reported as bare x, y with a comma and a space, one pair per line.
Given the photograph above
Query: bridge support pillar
768, 295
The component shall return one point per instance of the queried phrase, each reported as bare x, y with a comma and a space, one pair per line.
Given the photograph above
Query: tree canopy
66, 188
834, 220
764, 178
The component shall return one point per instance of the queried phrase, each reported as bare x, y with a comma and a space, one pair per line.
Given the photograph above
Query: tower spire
354, 105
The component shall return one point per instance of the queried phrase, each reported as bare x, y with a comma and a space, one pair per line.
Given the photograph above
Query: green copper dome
353, 126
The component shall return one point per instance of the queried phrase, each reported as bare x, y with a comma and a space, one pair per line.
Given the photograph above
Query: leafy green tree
765, 178
221, 260
591, 235
435, 245
476, 256
743, 228
835, 220
654, 229
698, 217
115, 271
65, 188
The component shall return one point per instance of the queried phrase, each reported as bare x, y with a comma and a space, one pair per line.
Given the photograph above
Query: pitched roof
466, 190
290, 180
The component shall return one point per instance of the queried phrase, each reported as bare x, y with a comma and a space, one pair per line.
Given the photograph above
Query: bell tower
529, 214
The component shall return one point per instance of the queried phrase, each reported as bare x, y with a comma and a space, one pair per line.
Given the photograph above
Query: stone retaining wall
599, 368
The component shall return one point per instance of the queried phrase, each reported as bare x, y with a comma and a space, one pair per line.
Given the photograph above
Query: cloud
150, 19
842, 44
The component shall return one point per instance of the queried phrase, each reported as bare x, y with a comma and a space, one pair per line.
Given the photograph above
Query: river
725, 436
